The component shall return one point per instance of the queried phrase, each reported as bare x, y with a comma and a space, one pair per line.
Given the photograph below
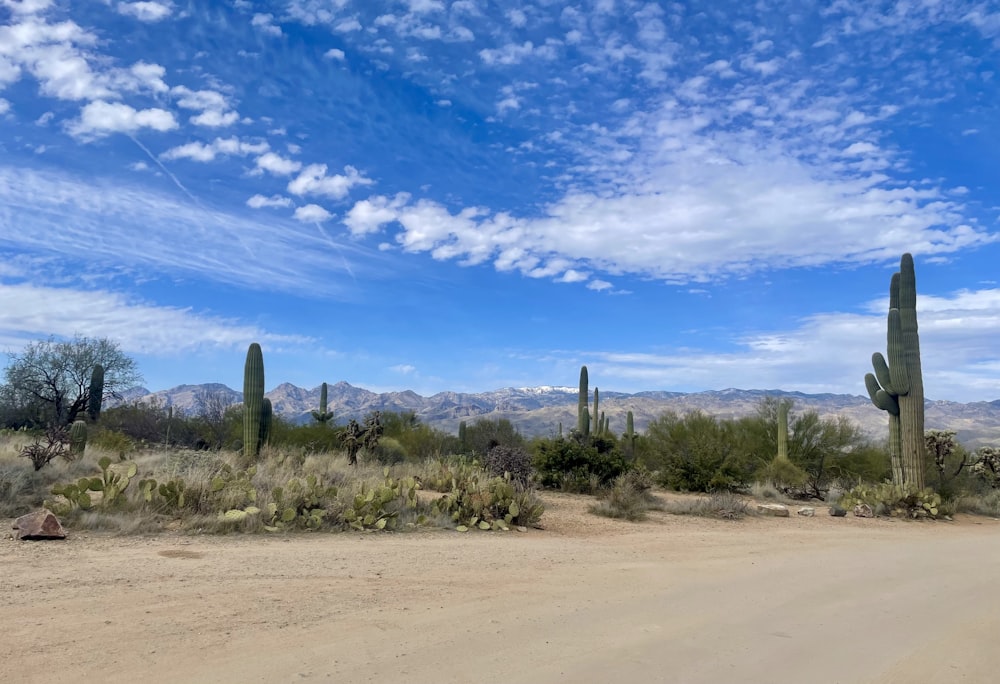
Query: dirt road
587, 600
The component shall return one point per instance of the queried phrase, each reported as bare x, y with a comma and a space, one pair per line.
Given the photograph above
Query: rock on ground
42, 524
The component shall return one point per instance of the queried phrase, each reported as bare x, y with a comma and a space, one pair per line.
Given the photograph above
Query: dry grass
724, 505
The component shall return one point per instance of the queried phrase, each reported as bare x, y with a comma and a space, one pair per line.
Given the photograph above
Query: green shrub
696, 453
389, 451
568, 465
113, 442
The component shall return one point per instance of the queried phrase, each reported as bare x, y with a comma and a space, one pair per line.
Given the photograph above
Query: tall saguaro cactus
582, 409
253, 401
322, 416
95, 394
598, 419
783, 430
629, 434
897, 385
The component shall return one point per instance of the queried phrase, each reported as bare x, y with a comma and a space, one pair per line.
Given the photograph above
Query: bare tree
56, 375
212, 407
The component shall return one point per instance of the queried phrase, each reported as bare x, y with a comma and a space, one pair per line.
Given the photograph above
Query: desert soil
673, 599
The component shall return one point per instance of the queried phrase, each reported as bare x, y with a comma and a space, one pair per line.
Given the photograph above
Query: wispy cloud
31, 312
828, 352
93, 222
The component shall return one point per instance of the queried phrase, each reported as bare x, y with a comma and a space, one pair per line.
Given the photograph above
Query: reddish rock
42, 524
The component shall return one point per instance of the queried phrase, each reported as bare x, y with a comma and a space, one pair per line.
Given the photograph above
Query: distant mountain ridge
540, 410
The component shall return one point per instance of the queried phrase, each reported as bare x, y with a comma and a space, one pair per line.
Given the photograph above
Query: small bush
515, 461
987, 503
628, 497
724, 505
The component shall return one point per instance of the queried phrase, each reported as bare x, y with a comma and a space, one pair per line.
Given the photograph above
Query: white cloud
312, 213
259, 201
369, 215
265, 24
334, 53
34, 311
314, 181
4, 106
277, 165
404, 368
214, 106
517, 18
24, 7
202, 152
102, 118
425, 6
511, 53
215, 119
145, 11
347, 26
599, 285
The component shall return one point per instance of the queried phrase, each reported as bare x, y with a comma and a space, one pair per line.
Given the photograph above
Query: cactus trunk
911, 404
598, 419
582, 410
78, 438
266, 415
897, 384
783, 431
95, 395
253, 401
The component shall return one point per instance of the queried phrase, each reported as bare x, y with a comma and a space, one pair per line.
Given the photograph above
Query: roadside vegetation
138, 467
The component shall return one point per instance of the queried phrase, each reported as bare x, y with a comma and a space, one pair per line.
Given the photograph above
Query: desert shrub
389, 451
628, 497
113, 442
484, 434
784, 475
46, 448
571, 466
515, 461
308, 439
985, 503
724, 505
902, 501
696, 452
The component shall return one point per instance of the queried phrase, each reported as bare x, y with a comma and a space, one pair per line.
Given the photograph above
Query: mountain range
541, 410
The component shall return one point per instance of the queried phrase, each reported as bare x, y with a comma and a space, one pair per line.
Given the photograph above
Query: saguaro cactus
897, 385
583, 410
598, 419
253, 401
783, 430
322, 416
95, 395
266, 414
629, 434
78, 438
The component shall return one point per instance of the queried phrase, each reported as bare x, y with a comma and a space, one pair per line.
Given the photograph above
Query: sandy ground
587, 599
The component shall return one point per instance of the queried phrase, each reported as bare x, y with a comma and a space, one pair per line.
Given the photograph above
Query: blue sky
470, 194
